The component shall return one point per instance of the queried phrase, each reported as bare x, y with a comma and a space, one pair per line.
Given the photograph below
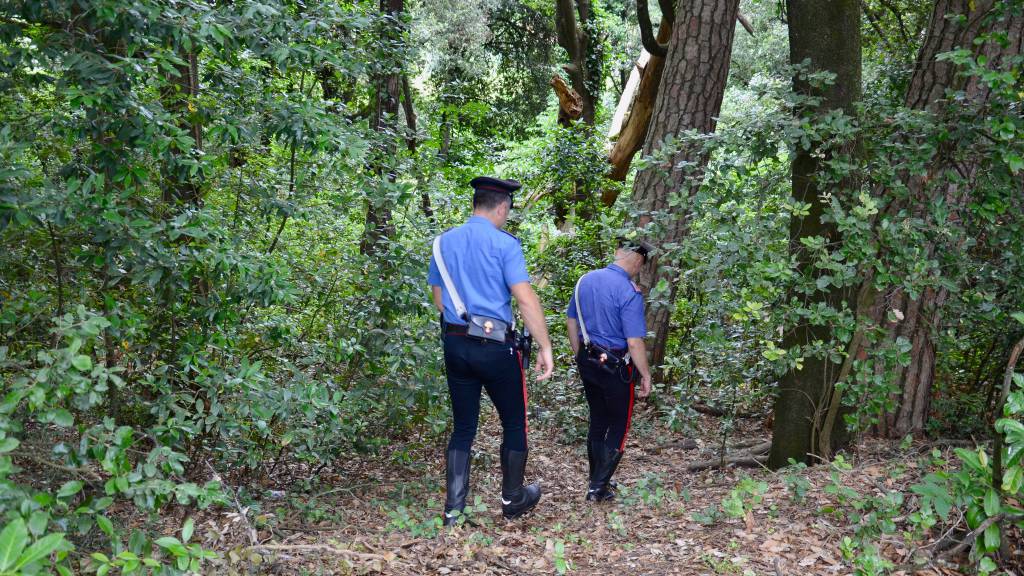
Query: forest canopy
215, 219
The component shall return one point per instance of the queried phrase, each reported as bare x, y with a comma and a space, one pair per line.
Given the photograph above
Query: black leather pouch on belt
604, 358
487, 328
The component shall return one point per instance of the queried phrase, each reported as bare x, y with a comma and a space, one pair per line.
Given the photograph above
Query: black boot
516, 499
595, 454
601, 486
457, 481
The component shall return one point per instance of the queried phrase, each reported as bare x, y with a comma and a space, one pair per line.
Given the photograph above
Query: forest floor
381, 515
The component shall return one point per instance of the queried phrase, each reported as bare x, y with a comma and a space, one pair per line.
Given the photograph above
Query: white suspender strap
579, 320
579, 313
460, 308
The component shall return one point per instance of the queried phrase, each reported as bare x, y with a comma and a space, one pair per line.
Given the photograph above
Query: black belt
460, 330
620, 352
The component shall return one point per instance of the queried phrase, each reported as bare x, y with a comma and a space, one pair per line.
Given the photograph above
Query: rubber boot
601, 486
457, 485
516, 499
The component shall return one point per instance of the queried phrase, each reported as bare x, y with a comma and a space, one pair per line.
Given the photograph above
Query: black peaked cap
495, 184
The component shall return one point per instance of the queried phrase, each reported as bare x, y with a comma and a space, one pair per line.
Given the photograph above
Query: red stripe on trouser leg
526, 399
629, 415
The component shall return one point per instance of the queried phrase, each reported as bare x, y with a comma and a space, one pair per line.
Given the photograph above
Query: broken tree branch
746, 23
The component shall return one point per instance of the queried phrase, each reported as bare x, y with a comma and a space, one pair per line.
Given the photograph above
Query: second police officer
475, 271
606, 327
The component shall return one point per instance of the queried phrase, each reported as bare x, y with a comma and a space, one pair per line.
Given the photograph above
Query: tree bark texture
917, 320
690, 98
573, 36
378, 224
827, 34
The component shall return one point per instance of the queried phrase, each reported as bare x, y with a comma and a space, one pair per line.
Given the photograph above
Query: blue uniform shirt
483, 261
612, 306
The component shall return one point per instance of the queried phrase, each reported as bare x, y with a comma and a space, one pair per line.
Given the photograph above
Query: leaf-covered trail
380, 515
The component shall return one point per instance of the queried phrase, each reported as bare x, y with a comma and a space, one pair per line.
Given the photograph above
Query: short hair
487, 199
639, 246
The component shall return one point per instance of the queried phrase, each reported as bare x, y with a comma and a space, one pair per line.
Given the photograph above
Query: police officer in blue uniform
486, 268
610, 355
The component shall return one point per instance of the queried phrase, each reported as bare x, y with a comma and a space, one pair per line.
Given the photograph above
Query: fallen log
736, 461
754, 456
715, 411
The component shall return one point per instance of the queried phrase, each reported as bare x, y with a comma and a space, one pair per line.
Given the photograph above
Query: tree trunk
827, 33
412, 143
578, 45
383, 121
182, 187
917, 320
693, 82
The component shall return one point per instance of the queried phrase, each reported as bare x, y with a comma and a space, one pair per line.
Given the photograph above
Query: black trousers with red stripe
473, 365
610, 397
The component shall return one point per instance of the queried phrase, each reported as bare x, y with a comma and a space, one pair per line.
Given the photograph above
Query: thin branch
668, 10
746, 23
647, 38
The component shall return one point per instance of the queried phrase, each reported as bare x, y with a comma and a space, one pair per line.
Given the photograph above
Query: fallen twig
320, 548
86, 474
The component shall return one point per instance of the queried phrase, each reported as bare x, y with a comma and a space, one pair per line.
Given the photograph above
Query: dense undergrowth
189, 307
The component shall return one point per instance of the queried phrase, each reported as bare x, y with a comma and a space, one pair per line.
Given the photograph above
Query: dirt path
382, 516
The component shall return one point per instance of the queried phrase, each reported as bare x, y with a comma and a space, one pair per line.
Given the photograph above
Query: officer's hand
545, 364
645, 385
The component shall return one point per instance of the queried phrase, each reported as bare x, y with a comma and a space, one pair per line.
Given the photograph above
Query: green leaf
992, 537
991, 503
1018, 316
8, 444
69, 489
172, 545
41, 549
12, 542
186, 530
37, 522
105, 525
62, 417
82, 362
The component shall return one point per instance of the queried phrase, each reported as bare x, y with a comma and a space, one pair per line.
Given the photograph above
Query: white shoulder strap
579, 313
460, 308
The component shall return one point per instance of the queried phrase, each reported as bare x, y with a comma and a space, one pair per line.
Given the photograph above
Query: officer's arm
638, 355
574, 336
438, 302
533, 317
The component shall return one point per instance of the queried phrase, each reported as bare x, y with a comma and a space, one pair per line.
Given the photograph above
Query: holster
604, 358
524, 344
487, 328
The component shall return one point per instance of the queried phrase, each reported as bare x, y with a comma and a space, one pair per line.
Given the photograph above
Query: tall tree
992, 30
181, 96
690, 98
825, 34
577, 37
383, 121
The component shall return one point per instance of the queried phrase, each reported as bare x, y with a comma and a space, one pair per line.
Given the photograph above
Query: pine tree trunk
827, 34
917, 320
690, 98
